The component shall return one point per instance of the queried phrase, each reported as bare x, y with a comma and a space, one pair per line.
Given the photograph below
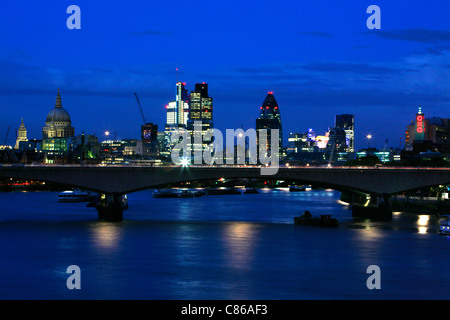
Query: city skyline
318, 60
109, 134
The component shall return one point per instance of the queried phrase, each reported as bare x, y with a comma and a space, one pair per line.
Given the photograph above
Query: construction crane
140, 107
6, 138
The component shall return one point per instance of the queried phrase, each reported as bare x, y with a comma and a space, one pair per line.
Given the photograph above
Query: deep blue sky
318, 57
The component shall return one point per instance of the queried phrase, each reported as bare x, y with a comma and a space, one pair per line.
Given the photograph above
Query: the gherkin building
270, 118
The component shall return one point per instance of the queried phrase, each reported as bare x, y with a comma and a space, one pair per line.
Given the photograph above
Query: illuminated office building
149, 139
302, 142
177, 114
347, 123
270, 118
182, 105
200, 112
171, 114
200, 108
178, 110
149, 132
428, 134
337, 139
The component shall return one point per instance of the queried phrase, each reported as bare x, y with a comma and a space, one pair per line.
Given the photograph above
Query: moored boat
322, 221
75, 195
165, 193
189, 194
296, 188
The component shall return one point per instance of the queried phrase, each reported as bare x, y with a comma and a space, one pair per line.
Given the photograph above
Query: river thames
236, 247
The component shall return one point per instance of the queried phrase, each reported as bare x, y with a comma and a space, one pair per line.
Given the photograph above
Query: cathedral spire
58, 100
21, 135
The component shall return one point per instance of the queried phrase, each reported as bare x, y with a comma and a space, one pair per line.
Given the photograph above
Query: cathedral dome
58, 123
58, 113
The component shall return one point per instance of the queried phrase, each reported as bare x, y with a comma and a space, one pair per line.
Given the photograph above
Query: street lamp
369, 136
185, 162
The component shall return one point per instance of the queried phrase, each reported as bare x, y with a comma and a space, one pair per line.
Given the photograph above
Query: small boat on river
75, 195
296, 188
165, 193
322, 221
189, 193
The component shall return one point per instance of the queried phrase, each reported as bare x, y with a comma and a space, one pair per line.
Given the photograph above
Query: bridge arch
200, 180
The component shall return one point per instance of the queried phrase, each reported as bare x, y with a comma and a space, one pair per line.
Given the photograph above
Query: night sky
318, 58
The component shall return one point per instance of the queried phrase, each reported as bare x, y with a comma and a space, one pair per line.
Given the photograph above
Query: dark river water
216, 247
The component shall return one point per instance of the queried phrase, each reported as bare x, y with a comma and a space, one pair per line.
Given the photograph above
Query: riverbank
31, 186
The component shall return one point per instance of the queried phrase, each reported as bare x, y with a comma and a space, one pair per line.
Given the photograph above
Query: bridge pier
374, 206
110, 207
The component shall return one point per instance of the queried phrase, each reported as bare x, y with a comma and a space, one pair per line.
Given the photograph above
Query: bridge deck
126, 179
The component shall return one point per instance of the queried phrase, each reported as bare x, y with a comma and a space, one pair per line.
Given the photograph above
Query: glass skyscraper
347, 123
200, 112
200, 108
177, 114
182, 104
270, 118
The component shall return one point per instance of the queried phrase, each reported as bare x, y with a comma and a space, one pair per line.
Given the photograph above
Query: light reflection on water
106, 235
239, 239
423, 223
